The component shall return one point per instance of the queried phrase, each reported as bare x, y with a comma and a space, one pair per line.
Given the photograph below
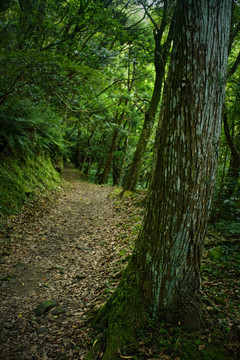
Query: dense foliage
77, 78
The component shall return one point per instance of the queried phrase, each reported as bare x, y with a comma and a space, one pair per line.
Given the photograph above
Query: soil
65, 250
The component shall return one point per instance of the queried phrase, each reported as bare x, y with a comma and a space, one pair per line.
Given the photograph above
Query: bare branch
108, 87
235, 66
78, 111
150, 16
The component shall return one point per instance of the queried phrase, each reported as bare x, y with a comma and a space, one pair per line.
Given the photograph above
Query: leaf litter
65, 251
65, 254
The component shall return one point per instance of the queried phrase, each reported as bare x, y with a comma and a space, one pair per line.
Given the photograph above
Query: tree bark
162, 280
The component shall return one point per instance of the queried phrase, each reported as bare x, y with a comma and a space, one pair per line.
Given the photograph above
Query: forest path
64, 252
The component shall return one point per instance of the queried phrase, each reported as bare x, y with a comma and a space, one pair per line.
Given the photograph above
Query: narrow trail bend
67, 254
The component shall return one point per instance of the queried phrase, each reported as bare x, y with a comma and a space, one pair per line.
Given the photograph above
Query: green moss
116, 192
120, 318
127, 194
215, 253
21, 178
212, 351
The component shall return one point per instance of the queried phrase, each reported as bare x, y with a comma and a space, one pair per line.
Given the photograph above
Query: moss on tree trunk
122, 315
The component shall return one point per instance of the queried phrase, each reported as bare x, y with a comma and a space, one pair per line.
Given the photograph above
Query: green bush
26, 127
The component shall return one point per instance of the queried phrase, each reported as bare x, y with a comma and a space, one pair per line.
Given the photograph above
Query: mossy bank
22, 177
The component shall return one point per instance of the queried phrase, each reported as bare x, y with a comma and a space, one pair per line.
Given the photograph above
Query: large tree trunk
162, 280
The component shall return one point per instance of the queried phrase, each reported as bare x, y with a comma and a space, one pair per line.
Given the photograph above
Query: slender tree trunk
79, 149
132, 176
124, 150
116, 165
119, 160
161, 53
232, 176
89, 164
119, 120
87, 150
215, 215
162, 280
107, 168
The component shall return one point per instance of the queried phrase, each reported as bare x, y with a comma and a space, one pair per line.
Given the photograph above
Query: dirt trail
65, 254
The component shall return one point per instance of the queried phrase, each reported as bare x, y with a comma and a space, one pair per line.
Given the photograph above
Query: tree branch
232, 36
78, 110
108, 87
4, 96
234, 66
150, 16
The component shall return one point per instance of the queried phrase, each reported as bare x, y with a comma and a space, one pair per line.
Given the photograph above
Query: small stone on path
44, 307
41, 330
